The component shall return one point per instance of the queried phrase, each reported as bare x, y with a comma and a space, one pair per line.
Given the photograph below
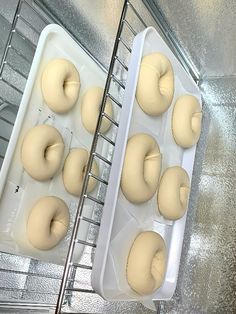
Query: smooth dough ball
141, 168
42, 151
173, 193
186, 121
74, 172
60, 84
155, 88
146, 265
90, 109
48, 222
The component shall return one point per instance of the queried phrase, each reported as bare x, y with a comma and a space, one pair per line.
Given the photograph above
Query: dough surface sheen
74, 172
48, 222
186, 121
141, 168
90, 108
173, 193
146, 264
155, 87
60, 85
42, 151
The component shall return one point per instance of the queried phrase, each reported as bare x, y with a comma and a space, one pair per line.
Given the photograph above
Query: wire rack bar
20, 17
91, 221
106, 138
12, 86
105, 115
7, 121
20, 54
121, 63
114, 100
65, 276
8, 102
95, 154
137, 15
117, 81
15, 69
129, 27
15, 18
98, 178
125, 44
82, 266
94, 199
30, 43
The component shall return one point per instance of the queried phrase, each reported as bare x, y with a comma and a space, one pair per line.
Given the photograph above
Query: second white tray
19, 190
122, 220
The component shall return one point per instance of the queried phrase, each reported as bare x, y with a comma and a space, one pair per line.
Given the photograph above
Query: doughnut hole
155, 87
173, 193
47, 223
141, 168
74, 172
60, 85
186, 121
42, 151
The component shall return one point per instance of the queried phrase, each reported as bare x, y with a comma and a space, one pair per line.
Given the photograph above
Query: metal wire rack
23, 34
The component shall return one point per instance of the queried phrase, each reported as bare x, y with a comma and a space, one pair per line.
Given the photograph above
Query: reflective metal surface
208, 266
206, 31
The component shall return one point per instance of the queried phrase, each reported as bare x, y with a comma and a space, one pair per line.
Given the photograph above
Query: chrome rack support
68, 264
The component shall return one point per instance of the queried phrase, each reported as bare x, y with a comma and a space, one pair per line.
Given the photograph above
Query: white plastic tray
122, 220
20, 191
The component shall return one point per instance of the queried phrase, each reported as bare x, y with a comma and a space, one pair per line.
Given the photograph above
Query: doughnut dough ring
155, 87
60, 85
186, 121
42, 151
173, 193
74, 172
90, 108
146, 265
48, 222
141, 168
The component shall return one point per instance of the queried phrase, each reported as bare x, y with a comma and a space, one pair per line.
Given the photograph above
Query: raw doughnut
155, 88
173, 193
60, 85
90, 109
48, 222
141, 169
74, 171
146, 264
42, 151
186, 121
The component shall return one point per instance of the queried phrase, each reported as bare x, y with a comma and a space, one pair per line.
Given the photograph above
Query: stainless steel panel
206, 281
206, 30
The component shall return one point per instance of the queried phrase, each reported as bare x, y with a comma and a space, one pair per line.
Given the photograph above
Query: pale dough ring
173, 193
146, 265
60, 84
74, 172
42, 151
48, 222
186, 121
90, 108
141, 168
155, 87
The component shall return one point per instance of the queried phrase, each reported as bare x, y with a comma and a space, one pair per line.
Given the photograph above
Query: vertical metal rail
102, 115
12, 30
67, 283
